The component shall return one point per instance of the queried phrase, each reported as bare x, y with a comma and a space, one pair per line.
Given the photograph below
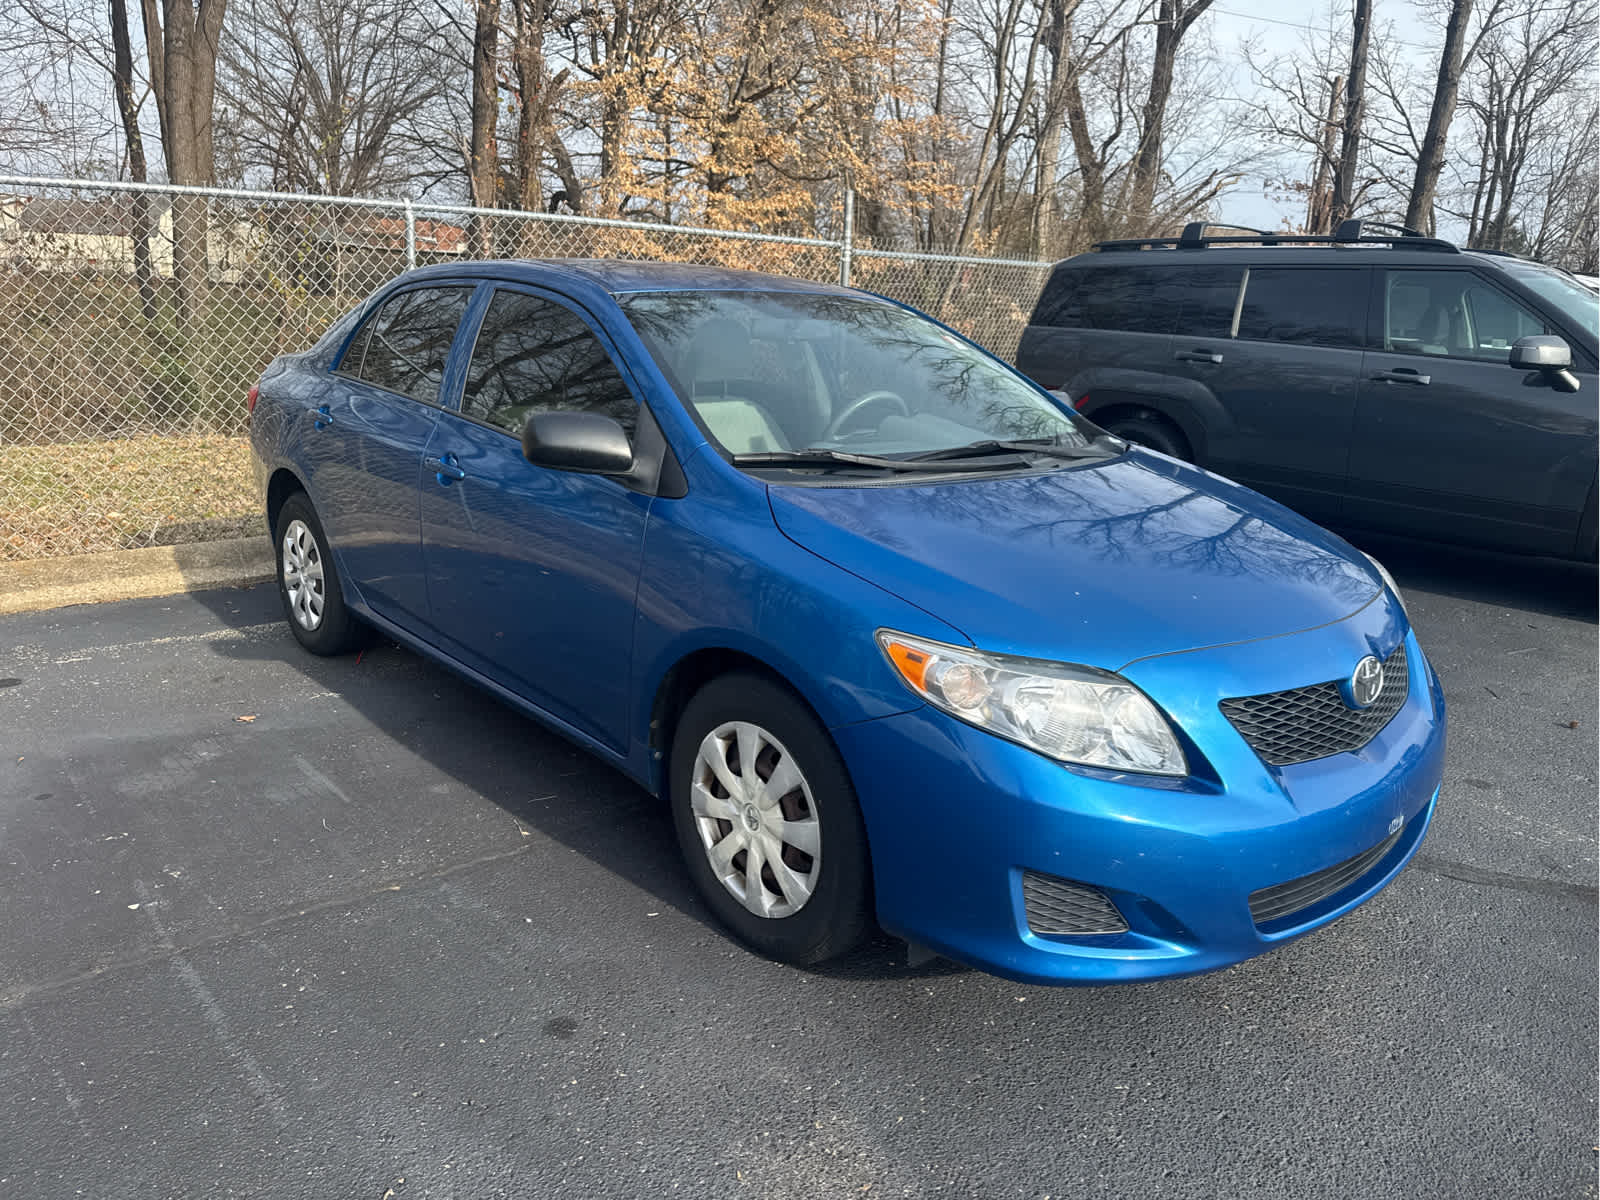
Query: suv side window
1211, 301
404, 348
1452, 313
1128, 299
534, 355
1305, 305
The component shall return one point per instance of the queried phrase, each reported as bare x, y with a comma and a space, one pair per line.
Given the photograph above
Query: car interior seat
721, 374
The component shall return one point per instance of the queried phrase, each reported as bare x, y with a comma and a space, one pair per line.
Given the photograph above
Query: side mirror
1541, 353
585, 442
1552, 355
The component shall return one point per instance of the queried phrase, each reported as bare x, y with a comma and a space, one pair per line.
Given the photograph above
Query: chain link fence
134, 318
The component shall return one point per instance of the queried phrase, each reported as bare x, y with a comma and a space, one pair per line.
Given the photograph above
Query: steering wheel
881, 396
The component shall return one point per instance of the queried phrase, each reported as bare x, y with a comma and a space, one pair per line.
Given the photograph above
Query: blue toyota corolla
895, 634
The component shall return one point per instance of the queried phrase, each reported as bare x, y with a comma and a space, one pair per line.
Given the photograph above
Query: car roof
618, 276
1291, 255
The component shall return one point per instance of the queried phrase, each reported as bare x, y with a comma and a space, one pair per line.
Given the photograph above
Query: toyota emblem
1366, 683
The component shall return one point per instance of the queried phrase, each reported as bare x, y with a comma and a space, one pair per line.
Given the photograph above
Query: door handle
445, 468
321, 417
1198, 356
1402, 375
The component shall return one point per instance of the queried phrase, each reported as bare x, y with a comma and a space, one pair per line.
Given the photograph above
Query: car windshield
1577, 302
770, 373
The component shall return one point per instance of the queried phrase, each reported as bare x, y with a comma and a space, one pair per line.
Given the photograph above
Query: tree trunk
1355, 98
532, 102
1319, 212
1172, 23
1091, 169
483, 166
128, 111
1430, 159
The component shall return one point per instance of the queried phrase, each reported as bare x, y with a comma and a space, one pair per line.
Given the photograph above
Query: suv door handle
1402, 375
321, 417
445, 468
1198, 356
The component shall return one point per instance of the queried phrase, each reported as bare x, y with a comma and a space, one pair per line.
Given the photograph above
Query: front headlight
1073, 714
1389, 582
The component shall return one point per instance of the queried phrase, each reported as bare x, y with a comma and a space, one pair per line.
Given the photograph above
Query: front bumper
955, 816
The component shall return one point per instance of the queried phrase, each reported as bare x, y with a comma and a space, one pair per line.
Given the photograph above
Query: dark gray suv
1388, 382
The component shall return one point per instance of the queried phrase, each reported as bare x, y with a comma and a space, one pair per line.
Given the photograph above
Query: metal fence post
411, 236
849, 236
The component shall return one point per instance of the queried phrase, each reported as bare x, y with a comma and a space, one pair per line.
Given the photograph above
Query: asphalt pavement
285, 927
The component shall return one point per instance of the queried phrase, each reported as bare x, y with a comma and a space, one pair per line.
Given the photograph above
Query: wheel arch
282, 484
686, 676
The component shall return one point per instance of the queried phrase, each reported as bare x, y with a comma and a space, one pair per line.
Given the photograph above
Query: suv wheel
1152, 431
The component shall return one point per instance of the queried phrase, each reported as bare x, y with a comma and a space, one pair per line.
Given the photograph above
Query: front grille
1282, 899
1313, 722
1057, 906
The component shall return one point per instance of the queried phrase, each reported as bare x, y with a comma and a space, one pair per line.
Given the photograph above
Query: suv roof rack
1351, 232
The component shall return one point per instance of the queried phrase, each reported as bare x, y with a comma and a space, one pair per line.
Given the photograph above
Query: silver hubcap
302, 575
756, 820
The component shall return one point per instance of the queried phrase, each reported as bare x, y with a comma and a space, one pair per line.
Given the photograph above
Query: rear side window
1130, 299
534, 355
1305, 306
1210, 301
405, 346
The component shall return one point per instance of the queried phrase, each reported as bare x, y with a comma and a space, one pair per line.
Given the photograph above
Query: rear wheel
308, 582
1152, 431
767, 821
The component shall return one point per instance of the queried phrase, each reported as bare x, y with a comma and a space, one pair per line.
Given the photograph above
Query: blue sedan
898, 637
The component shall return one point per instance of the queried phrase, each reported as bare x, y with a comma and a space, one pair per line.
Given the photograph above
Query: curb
42, 583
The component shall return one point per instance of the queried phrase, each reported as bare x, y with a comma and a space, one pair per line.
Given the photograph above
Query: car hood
1098, 564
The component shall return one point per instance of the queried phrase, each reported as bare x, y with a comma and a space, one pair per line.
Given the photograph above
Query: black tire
837, 913
335, 629
1152, 431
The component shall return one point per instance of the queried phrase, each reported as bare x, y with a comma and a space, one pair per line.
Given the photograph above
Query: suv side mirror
1541, 353
1552, 355
586, 442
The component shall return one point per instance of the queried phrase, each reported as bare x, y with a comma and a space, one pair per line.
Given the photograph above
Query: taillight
251, 396
1078, 403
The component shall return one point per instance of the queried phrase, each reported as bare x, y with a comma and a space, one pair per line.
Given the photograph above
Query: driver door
532, 572
1450, 440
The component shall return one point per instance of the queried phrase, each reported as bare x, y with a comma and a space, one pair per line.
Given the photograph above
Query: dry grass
79, 497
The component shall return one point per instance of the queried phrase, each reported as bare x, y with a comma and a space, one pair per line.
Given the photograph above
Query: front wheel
767, 821
308, 582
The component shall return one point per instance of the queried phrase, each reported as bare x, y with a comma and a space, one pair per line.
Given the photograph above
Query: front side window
1304, 306
405, 347
769, 372
1454, 314
534, 355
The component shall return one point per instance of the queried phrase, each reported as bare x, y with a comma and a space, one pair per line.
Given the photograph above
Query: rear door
1284, 372
362, 444
532, 572
1451, 442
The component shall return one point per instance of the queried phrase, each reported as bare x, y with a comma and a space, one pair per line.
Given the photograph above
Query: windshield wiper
1099, 448
831, 458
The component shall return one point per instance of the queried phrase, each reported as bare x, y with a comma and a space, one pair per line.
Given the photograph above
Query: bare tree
327, 95
1174, 19
1355, 100
181, 40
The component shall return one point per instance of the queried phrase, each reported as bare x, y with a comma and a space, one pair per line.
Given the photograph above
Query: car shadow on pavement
1549, 586
544, 783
